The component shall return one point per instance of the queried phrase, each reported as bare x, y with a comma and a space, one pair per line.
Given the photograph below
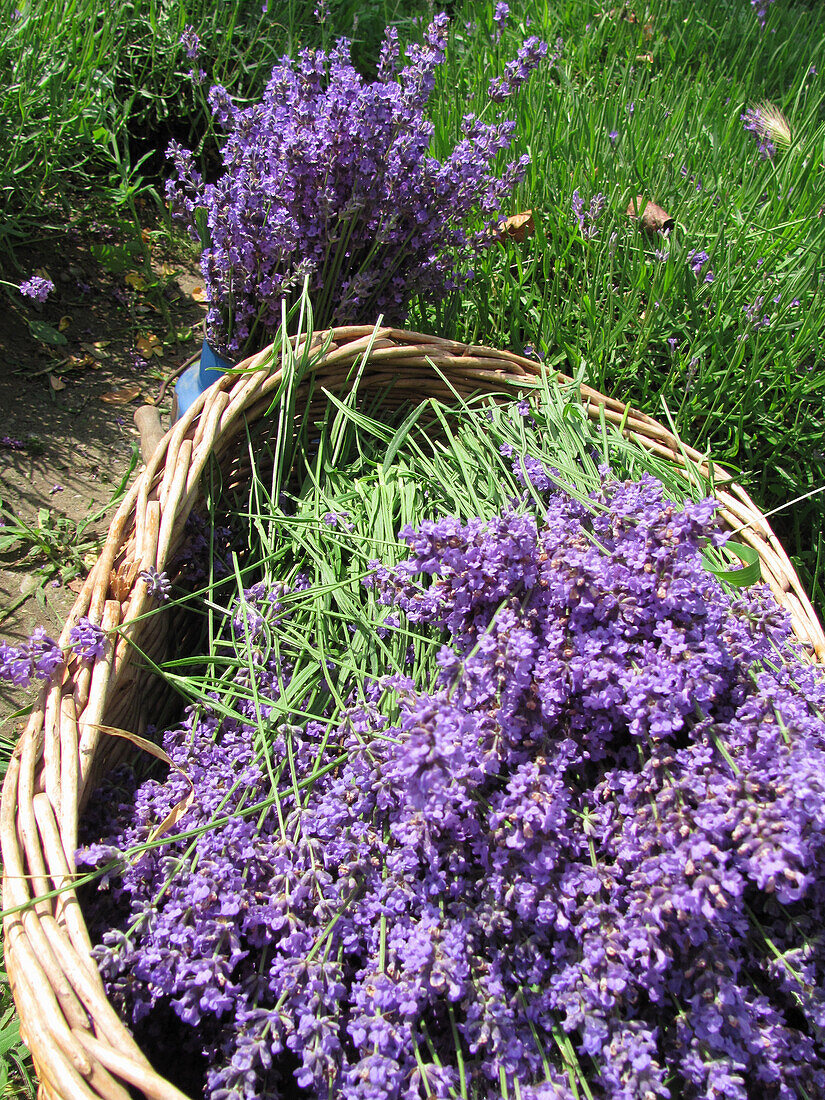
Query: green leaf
41, 331
116, 258
749, 574
9, 1033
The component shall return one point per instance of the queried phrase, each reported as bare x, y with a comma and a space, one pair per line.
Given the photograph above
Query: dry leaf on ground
122, 396
78, 362
149, 345
652, 218
96, 350
518, 227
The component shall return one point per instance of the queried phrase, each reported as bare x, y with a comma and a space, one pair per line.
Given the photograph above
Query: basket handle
147, 419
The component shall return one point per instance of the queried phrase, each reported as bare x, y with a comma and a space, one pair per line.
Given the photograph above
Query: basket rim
81, 1049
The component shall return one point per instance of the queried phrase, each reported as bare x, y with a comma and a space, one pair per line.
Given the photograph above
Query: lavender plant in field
698, 261
330, 177
760, 8
588, 861
587, 220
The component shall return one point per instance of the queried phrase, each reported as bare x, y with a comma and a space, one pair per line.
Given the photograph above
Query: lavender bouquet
331, 177
523, 803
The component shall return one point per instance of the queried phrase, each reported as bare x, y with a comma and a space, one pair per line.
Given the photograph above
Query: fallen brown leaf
64, 323
95, 350
198, 294
136, 280
122, 396
518, 227
149, 345
78, 362
56, 383
652, 218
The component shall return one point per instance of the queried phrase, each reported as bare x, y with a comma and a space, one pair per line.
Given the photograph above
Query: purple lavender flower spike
587, 220
760, 8
46, 654
157, 583
295, 183
698, 261
501, 13
190, 41
15, 664
87, 640
517, 72
37, 288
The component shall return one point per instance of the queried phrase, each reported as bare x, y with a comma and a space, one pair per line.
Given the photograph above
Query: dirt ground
119, 322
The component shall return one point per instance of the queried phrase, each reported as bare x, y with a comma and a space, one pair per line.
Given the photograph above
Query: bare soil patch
67, 435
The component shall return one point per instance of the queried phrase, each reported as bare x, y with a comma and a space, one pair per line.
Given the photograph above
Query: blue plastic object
198, 377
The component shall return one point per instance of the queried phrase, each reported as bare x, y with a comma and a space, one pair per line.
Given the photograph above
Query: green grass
753, 395
90, 95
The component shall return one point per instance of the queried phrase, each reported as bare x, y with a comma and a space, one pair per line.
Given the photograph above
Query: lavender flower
589, 825
770, 126
754, 314
157, 584
41, 656
37, 288
191, 41
501, 13
760, 8
87, 640
328, 164
337, 519
698, 261
587, 219
46, 655
614, 136
517, 72
15, 664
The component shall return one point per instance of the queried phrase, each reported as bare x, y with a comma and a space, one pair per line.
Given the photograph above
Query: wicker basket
81, 1049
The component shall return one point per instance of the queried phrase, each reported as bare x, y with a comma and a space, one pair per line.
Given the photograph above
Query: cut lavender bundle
331, 177
535, 811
